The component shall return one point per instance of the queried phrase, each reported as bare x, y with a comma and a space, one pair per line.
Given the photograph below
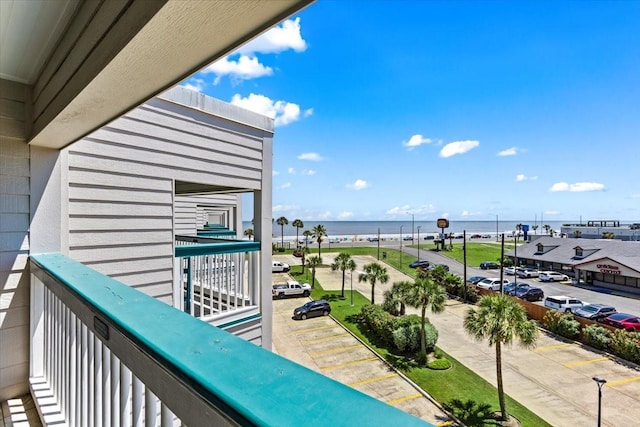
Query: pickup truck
279, 267
291, 288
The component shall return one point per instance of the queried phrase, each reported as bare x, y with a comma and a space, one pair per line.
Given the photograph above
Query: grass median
459, 382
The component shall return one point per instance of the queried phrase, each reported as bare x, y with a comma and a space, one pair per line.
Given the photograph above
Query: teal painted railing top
214, 232
222, 247
258, 387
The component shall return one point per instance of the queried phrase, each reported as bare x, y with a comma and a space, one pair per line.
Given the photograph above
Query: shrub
626, 345
379, 321
406, 333
431, 336
439, 364
562, 324
596, 336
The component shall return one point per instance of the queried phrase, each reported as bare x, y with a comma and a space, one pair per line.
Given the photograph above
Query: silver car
594, 311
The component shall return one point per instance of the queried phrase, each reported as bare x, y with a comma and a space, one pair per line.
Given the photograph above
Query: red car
625, 321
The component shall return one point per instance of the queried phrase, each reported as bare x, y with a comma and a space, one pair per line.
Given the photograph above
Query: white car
527, 272
511, 271
553, 276
563, 303
492, 283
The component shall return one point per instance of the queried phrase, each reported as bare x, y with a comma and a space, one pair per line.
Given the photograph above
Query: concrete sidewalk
554, 380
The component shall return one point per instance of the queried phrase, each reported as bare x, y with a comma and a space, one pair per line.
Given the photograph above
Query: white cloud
458, 147
345, 215
309, 172
314, 157
509, 152
423, 210
399, 210
325, 215
359, 184
552, 213
416, 141
577, 187
244, 68
467, 214
292, 171
282, 112
285, 185
278, 39
522, 177
194, 84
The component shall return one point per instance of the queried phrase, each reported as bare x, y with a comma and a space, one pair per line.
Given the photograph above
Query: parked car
511, 288
563, 303
333, 240
628, 322
527, 272
421, 263
429, 237
488, 265
280, 267
595, 311
552, 276
476, 236
475, 279
510, 271
530, 294
492, 283
434, 266
372, 239
312, 309
407, 238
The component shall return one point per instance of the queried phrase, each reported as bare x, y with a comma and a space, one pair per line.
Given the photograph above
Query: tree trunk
503, 406
423, 345
373, 286
343, 273
313, 277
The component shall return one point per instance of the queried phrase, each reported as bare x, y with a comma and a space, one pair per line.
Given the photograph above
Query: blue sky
459, 109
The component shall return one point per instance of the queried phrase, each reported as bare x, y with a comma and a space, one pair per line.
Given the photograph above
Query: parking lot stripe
553, 347
402, 399
319, 328
353, 362
334, 350
620, 382
328, 338
584, 362
371, 380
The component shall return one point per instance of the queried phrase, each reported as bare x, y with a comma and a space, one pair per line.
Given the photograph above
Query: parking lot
554, 380
321, 344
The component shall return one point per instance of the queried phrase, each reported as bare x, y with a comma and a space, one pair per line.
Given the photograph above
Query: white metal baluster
125, 396
88, 362
66, 378
106, 386
56, 386
166, 416
150, 408
48, 346
97, 382
115, 390
137, 402
72, 369
210, 283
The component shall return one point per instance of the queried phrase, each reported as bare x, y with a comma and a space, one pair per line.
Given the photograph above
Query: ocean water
392, 228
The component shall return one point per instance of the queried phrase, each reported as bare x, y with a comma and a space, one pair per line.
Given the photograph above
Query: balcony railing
105, 354
216, 279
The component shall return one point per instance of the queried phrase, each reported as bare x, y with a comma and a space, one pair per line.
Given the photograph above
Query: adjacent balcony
105, 354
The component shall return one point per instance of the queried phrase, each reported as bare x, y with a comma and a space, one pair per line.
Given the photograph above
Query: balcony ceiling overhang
140, 51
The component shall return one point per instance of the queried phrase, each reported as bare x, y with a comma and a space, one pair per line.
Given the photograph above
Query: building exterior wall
14, 241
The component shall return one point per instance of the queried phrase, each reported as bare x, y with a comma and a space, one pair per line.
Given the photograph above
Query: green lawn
458, 382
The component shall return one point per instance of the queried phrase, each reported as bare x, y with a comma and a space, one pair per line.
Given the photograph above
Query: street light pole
418, 243
600, 382
412, 219
351, 275
496, 227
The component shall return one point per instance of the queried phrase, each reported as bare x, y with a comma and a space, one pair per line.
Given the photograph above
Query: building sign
443, 223
609, 269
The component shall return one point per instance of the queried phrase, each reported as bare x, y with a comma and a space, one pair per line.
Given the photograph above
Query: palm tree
343, 262
304, 251
298, 224
318, 232
282, 221
249, 233
547, 229
500, 319
426, 293
397, 297
307, 236
577, 234
535, 228
312, 263
373, 273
